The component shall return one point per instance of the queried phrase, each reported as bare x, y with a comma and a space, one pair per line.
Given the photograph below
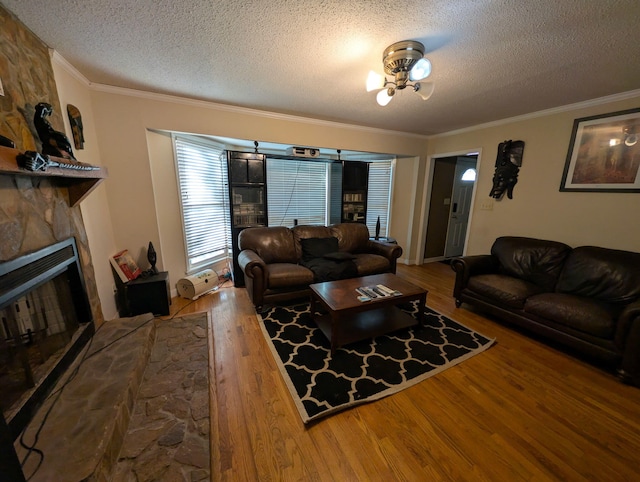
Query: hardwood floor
519, 411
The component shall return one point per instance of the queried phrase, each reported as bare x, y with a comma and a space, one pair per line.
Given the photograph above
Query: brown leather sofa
586, 298
271, 258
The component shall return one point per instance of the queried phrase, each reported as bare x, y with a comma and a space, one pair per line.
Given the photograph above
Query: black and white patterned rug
321, 383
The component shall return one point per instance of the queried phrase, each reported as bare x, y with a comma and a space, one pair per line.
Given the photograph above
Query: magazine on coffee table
367, 293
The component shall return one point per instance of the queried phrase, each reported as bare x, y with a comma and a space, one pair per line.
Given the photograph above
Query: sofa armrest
390, 251
627, 337
467, 266
255, 276
252, 265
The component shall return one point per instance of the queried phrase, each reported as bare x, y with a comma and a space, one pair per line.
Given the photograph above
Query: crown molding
543, 113
70, 69
185, 101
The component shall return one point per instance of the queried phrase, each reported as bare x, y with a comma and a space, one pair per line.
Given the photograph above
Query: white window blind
202, 180
296, 190
378, 197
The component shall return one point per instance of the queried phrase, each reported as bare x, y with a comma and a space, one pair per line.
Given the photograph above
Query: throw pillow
318, 247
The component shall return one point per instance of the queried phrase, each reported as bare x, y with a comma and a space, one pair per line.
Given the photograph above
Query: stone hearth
136, 409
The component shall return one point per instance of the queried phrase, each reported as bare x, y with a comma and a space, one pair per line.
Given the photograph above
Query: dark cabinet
247, 198
355, 181
145, 294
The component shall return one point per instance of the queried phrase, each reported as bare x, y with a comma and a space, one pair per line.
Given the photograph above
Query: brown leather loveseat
586, 298
273, 258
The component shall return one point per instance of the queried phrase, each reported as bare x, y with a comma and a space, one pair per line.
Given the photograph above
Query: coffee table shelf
368, 324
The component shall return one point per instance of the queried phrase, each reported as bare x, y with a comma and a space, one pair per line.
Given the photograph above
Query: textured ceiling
492, 59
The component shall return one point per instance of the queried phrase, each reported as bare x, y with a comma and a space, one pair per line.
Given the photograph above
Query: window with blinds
296, 190
202, 181
379, 196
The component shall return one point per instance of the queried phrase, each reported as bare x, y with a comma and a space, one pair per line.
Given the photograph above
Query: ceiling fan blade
424, 89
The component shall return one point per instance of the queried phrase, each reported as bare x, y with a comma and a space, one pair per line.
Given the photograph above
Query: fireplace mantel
79, 183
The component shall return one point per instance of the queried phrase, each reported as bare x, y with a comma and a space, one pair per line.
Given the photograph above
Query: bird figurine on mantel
54, 143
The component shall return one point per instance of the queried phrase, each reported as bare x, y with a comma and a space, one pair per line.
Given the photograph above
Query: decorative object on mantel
34, 161
405, 61
508, 165
604, 154
6, 142
75, 120
54, 143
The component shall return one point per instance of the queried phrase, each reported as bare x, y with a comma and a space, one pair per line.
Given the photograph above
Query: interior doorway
452, 185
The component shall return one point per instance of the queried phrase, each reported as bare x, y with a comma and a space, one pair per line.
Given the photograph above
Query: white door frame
426, 197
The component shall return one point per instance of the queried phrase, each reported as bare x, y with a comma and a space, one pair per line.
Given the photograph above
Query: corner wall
74, 89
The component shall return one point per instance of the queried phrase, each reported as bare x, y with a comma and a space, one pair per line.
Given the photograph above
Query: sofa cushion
273, 244
583, 314
535, 260
367, 264
608, 275
505, 290
329, 270
287, 275
317, 247
352, 237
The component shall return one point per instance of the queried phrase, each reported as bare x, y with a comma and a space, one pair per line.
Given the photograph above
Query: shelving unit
79, 183
247, 198
355, 180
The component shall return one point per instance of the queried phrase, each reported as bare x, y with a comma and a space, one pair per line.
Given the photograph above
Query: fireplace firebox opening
45, 321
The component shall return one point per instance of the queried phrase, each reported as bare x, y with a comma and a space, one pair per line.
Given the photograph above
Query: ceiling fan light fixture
375, 81
404, 61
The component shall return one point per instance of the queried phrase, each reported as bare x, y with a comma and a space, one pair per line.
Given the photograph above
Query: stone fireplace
47, 274
37, 211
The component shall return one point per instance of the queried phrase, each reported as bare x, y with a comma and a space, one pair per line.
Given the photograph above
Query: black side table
149, 294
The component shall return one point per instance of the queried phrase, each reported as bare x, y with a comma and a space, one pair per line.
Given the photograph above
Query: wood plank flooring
522, 410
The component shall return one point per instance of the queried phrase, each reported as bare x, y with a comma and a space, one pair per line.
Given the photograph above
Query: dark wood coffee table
348, 319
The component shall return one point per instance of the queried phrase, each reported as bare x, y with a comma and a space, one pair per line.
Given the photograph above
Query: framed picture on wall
604, 154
